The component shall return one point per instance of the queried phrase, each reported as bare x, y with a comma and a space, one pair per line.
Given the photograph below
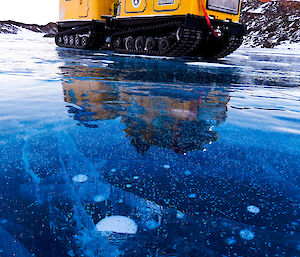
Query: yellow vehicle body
176, 7
95, 9
205, 28
70, 10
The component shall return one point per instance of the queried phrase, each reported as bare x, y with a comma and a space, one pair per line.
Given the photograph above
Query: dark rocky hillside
13, 27
270, 23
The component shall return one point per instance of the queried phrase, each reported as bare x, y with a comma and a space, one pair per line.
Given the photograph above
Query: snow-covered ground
272, 23
23, 34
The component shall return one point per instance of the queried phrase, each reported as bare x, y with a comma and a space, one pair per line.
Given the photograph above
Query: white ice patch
24, 34
107, 61
253, 209
167, 166
80, 178
100, 54
144, 56
208, 64
117, 224
246, 234
288, 46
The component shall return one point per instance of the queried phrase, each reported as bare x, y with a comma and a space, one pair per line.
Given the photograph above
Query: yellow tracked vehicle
204, 28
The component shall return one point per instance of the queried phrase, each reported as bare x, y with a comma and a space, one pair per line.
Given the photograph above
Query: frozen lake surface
110, 155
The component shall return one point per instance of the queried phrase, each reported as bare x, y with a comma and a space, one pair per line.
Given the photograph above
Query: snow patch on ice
287, 130
144, 56
117, 224
288, 46
209, 64
24, 34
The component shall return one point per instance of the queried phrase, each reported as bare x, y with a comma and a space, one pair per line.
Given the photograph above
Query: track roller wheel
84, 42
71, 40
150, 44
139, 44
77, 41
129, 43
163, 44
66, 40
117, 43
58, 40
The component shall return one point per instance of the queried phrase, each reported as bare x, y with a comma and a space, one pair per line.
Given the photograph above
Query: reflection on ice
154, 114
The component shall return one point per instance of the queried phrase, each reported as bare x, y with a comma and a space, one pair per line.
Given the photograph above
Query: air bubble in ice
246, 234
99, 198
187, 173
117, 224
253, 209
3, 221
80, 178
179, 215
192, 195
231, 240
152, 224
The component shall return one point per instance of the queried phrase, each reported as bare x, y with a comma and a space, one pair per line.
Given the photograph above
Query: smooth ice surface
117, 224
177, 156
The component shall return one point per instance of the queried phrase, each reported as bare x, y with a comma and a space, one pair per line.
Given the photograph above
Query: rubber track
188, 42
84, 30
234, 43
186, 46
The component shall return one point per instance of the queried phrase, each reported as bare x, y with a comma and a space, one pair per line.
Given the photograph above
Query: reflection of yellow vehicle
207, 28
181, 123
